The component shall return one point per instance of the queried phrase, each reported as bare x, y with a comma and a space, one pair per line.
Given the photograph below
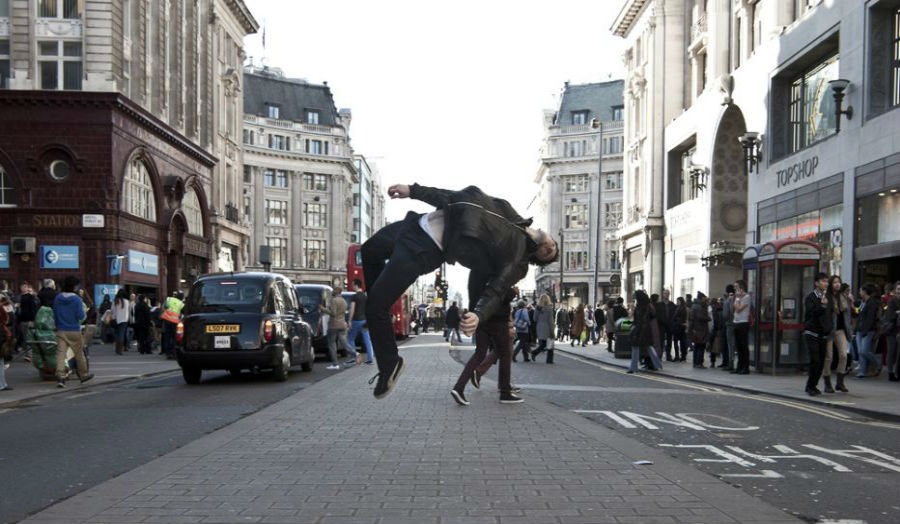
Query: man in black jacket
817, 325
482, 233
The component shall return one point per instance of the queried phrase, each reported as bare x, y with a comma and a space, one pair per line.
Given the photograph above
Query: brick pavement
331, 454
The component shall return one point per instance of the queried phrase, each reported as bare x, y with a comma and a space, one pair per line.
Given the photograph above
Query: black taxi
238, 321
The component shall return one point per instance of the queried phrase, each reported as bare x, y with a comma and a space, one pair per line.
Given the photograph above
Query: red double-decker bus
399, 311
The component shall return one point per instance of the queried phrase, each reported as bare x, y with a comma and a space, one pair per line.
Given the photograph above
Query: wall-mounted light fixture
837, 88
752, 144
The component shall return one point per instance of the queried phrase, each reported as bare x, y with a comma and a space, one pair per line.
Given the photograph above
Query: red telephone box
786, 272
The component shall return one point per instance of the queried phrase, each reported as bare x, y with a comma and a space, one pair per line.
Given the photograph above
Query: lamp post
838, 87
561, 262
597, 124
752, 145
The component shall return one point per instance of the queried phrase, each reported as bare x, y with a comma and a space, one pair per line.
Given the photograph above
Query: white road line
610, 414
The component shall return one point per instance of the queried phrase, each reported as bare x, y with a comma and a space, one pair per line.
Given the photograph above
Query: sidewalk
106, 366
876, 397
332, 454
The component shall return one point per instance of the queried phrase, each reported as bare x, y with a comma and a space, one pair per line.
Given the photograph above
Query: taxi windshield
310, 298
226, 295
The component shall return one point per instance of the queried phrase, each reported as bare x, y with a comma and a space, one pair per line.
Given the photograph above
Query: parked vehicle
311, 297
238, 321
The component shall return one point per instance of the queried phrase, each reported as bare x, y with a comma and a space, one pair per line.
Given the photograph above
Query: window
314, 254
60, 8
281, 143
313, 182
355, 199
248, 174
612, 214
277, 250
315, 215
137, 192
276, 212
4, 8
317, 147
880, 215
688, 183
7, 191
579, 118
312, 117
247, 206
269, 177
687, 287
249, 137
59, 64
576, 183
576, 216
273, 111
613, 145
611, 248
574, 148
275, 178
4, 59
576, 255
618, 113
190, 205
613, 180
755, 27
812, 115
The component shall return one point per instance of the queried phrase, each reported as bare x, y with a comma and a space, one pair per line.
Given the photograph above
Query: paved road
59, 446
749, 441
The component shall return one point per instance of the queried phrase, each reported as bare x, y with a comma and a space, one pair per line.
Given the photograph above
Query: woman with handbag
543, 317
642, 332
840, 338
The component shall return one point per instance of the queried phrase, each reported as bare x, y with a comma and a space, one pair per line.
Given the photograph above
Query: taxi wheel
280, 372
310, 358
191, 374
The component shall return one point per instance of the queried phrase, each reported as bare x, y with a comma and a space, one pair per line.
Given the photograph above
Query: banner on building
59, 257
140, 262
102, 290
115, 265
4, 257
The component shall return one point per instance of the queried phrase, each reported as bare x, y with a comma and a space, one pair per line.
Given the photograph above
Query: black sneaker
509, 398
61, 383
459, 397
386, 381
476, 379
86, 377
515, 390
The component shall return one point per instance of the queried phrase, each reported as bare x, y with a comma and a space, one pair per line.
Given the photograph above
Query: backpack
522, 323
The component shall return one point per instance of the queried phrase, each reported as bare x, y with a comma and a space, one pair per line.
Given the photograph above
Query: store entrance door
879, 272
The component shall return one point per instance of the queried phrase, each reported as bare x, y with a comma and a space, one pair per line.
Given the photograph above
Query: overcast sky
445, 94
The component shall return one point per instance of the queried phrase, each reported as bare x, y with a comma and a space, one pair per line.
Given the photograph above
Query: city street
796, 456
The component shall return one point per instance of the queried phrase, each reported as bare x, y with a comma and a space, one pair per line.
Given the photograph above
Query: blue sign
102, 290
4, 257
59, 257
140, 262
115, 265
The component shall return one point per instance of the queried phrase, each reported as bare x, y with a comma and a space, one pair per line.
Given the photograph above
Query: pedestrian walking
642, 332
27, 309
741, 322
866, 328
818, 325
726, 333
660, 322
143, 326
543, 319
599, 323
336, 308
480, 232
578, 335
90, 320
532, 327
890, 329
840, 336
699, 328
47, 294
358, 325
668, 312
452, 323
68, 314
170, 317
716, 332
121, 315
680, 326
6, 339
562, 324
522, 324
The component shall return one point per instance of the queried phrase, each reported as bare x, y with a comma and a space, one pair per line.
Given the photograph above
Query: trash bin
623, 338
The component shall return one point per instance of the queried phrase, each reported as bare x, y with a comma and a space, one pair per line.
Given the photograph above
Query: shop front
877, 250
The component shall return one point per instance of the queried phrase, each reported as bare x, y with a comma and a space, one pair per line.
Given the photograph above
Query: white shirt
122, 312
433, 224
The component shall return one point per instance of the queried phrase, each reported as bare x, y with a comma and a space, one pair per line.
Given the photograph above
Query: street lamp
561, 262
752, 145
838, 87
597, 124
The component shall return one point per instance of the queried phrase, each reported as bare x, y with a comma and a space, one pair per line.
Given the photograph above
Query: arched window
7, 191
137, 192
190, 205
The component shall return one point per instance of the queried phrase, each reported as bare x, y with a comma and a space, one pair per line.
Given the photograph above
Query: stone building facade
109, 162
368, 201
299, 175
571, 194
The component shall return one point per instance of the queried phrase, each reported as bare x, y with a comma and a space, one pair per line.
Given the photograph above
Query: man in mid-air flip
480, 232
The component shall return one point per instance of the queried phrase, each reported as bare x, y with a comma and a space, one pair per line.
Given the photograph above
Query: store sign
92, 221
140, 262
4, 257
104, 290
59, 257
797, 171
50, 221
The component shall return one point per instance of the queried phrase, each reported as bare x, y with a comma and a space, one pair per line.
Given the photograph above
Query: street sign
92, 220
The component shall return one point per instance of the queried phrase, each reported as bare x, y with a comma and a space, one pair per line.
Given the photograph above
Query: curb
879, 415
13, 403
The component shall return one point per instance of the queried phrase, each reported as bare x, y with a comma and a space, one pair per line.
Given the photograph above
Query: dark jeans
699, 349
542, 346
409, 252
523, 344
816, 346
669, 339
726, 354
493, 332
741, 334
453, 331
681, 344
168, 338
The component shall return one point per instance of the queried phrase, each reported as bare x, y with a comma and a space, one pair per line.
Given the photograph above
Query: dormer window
273, 111
579, 118
312, 117
618, 113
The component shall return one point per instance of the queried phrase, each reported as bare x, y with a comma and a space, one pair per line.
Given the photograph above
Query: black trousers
523, 344
741, 340
392, 260
816, 347
492, 333
542, 346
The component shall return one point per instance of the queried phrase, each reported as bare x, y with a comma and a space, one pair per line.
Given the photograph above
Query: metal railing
231, 213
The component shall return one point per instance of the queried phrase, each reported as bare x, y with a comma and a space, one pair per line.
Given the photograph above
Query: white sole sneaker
459, 398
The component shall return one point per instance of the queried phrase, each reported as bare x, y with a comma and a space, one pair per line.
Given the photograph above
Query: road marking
727, 458
795, 455
624, 423
686, 420
694, 417
887, 462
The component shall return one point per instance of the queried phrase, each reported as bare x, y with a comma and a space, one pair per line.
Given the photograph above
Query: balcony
231, 213
294, 126
610, 126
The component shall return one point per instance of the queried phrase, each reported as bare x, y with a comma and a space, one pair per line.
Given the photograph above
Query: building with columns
573, 188
117, 126
299, 177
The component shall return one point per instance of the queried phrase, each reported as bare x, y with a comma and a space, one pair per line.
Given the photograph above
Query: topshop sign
797, 171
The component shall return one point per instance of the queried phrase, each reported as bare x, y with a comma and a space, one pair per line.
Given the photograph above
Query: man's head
620, 301
547, 250
729, 289
49, 283
70, 284
453, 304
666, 295
357, 284
821, 281
740, 286
336, 292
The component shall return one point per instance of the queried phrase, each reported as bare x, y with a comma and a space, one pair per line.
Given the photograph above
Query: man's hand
469, 324
398, 191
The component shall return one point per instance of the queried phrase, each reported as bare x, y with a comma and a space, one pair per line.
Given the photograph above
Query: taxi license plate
222, 343
223, 328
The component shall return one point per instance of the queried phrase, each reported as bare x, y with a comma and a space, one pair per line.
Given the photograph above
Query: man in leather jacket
480, 232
